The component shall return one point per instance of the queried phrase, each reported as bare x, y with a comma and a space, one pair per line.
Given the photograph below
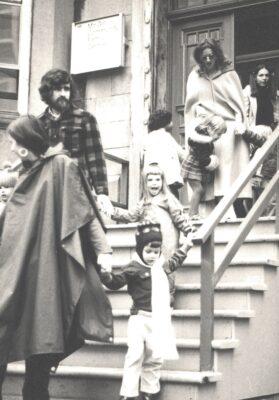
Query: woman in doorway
261, 106
214, 87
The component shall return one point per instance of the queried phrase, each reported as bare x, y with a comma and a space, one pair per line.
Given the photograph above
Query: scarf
164, 341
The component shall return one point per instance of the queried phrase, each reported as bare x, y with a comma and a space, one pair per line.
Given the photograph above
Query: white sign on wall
97, 44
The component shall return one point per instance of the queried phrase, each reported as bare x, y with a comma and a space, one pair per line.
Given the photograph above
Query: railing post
207, 304
277, 194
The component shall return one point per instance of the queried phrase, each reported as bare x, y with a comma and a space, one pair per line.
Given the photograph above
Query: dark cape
51, 297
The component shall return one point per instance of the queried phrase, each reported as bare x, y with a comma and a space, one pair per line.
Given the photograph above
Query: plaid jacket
78, 131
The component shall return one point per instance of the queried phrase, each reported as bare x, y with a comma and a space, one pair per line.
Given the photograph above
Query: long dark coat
51, 297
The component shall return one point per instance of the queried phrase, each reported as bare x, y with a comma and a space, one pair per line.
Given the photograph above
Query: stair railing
210, 275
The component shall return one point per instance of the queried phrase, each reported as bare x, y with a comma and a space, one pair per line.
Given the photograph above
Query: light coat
220, 95
161, 148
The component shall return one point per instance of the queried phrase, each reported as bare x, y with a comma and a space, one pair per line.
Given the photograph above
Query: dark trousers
174, 189
37, 375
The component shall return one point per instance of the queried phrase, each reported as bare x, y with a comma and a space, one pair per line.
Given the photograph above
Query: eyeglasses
209, 57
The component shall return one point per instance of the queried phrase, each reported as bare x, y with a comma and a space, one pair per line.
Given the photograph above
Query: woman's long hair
221, 60
153, 169
271, 87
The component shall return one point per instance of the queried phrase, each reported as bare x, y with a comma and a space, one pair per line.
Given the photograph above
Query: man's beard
61, 104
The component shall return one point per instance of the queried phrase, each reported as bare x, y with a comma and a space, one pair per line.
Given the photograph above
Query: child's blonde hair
215, 122
153, 169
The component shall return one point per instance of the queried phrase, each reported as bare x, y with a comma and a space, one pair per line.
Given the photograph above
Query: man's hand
105, 204
105, 262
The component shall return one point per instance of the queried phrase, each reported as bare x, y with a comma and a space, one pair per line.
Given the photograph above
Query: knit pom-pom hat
147, 232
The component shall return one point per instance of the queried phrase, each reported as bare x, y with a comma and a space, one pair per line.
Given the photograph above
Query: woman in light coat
214, 87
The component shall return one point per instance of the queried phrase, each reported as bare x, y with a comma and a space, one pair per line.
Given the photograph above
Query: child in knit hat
151, 338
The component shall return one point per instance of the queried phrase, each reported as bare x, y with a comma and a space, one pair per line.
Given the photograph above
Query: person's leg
151, 367
37, 375
174, 189
3, 369
133, 358
198, 191
239, 208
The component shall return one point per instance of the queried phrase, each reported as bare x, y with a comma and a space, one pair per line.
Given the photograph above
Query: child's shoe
148, 396
127, 398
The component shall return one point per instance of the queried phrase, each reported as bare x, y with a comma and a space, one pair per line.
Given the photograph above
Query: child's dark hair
159, 119
148, 234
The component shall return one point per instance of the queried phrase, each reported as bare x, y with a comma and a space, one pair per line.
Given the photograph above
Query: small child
151, 337
201, 161
8, 180
159, 204
161, 148
256, 136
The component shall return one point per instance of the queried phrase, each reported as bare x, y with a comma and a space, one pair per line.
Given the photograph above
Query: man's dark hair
53, 79
159, 119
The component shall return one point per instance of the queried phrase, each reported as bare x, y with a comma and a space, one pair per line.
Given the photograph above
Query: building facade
158, 41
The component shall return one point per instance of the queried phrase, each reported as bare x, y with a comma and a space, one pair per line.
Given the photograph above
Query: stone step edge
235, 263
230, 286
117, 373
217, 344
268, 238
226, 286
245, 314
231, 221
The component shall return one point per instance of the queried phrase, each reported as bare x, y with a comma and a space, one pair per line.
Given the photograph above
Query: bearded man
77, 129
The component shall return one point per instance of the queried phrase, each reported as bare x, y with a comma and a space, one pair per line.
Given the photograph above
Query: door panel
185, 37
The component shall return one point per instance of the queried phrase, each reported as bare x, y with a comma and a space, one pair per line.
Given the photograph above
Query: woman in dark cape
52, 246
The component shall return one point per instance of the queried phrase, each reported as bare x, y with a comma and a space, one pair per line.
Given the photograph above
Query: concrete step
187, 322
85, 383
227, 295
187, 295
241, 271
124, 233
95, 354
250, 250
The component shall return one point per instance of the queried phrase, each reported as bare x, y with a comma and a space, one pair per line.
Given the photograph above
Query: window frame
24, 53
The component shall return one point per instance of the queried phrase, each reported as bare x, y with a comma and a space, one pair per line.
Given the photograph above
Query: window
9, 54
118, 177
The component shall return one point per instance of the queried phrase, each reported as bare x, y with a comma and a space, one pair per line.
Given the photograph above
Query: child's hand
239, 129
214, 163
189, 240
105, 262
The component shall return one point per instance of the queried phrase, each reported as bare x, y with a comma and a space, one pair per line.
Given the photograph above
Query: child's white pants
139, 363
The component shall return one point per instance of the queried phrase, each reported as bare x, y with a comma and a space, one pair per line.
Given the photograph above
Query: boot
148, 396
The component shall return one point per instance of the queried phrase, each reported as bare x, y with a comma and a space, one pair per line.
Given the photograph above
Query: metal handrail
205, 237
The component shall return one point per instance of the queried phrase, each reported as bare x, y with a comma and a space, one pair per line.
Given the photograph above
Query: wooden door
185, 35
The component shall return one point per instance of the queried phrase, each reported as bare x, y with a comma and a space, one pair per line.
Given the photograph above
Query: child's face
213, 133
150, 254
154, 184
5, 193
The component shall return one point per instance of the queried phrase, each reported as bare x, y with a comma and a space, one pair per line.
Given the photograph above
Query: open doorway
257, 39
